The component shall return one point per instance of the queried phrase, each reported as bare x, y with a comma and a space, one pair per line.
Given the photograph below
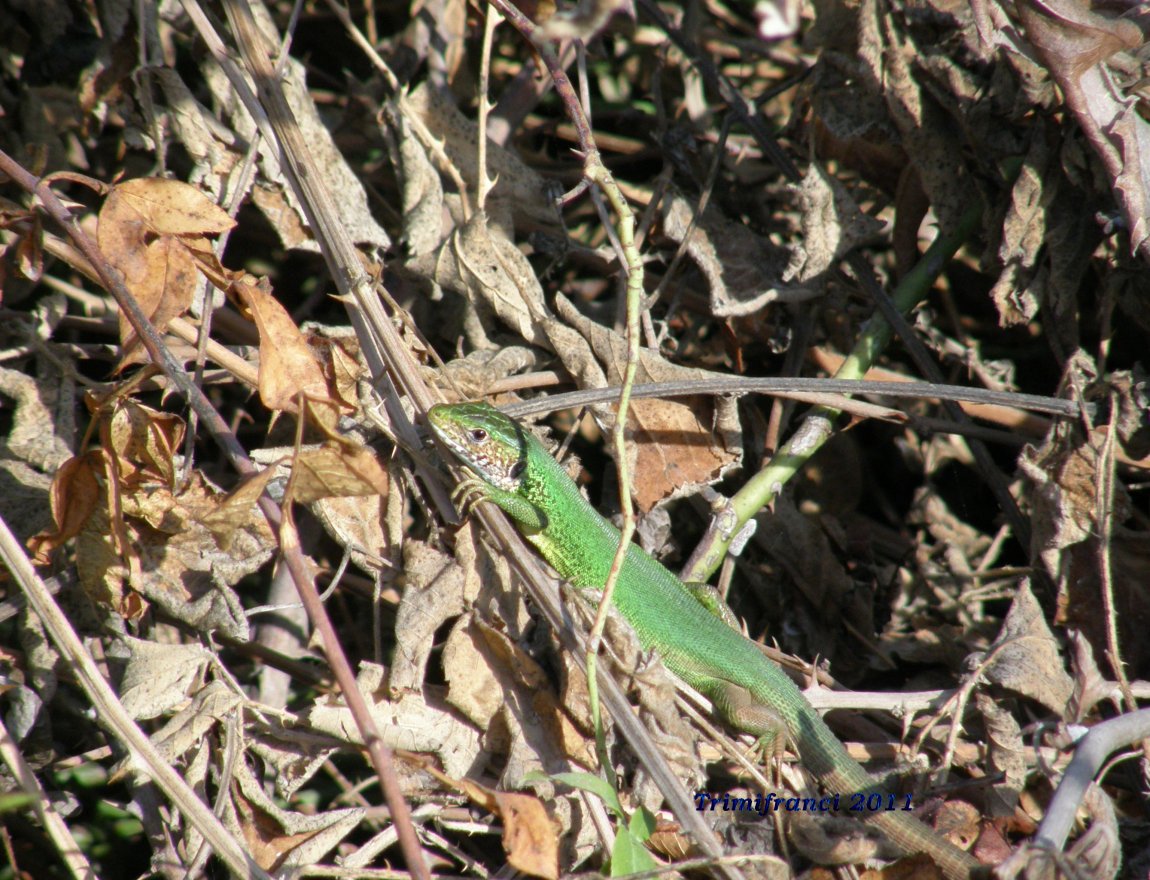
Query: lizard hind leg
707, 596
770, 749
740, 709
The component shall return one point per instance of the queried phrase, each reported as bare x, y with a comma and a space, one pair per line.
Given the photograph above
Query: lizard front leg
473, 490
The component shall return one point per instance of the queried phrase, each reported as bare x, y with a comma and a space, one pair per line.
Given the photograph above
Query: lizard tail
907, 832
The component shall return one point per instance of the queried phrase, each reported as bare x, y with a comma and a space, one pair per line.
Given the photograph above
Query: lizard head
489, 443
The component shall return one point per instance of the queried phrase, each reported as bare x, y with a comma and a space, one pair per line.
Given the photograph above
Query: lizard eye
478, 435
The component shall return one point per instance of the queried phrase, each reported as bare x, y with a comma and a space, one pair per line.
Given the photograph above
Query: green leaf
642, 824
589, 782
629, 856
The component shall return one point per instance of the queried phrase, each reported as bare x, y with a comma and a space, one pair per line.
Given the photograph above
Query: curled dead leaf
530, 836
75, 494
153, 231
288, 367
143, 441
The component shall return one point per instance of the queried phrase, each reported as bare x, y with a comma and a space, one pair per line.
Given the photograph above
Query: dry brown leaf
530, 835
137, 538
744, 271
802, 548
278, 207
686, 446
162, 278
850, 125
670, 841
836, 840
958, 821
235, 511
279, 838
833, 225
75, 494
422, 190
1090, 685
273, 195
288, 367
102, 570
165, 207
148, 227
1079, 602
183, 568
346, 368
1023, 234
1007, 756
29, 251
160, 677
38, 437
1064, 471
1049, 236
1074, 40
201, 250
143, 442
293, 756
481, 260
472, 686
1098, 850
472, 377
211, 706
929, 130
517, 186
1065, 474
189, 123
336, 471
41, 422
1027, 659
409, 722
357, 524
497, 274
676, 449
267, 843
436, 591
519, 674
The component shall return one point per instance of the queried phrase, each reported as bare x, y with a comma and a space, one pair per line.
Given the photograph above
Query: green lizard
511, 469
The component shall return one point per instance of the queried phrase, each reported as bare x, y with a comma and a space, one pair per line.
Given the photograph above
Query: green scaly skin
514, 471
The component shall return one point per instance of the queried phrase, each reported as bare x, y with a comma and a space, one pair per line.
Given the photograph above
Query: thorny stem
492, 19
